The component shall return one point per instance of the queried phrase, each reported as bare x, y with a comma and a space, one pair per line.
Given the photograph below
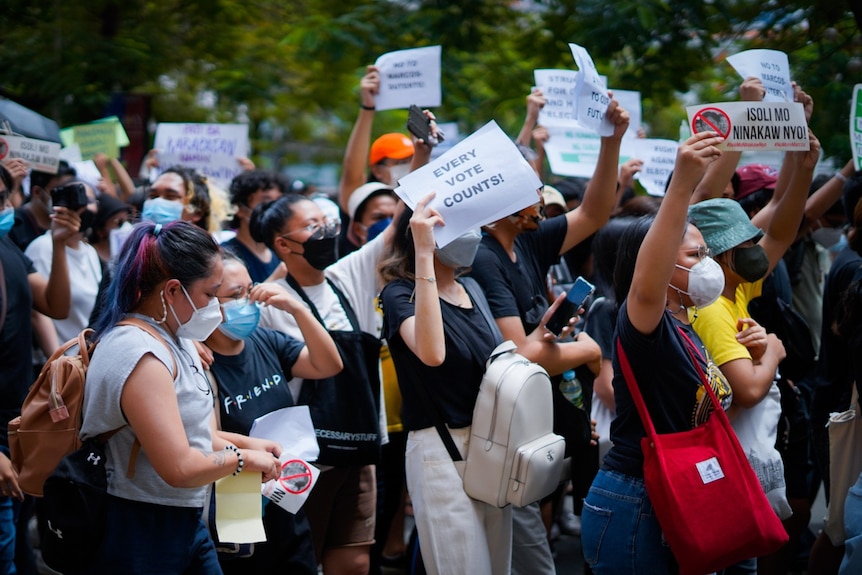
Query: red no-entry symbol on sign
711, 119
295, 476
4, 149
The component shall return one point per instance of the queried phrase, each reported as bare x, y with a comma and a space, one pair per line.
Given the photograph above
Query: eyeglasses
702, 252
329, 229
240, 294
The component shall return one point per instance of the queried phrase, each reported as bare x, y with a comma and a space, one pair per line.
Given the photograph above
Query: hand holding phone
419, 125
569, 307
72, 196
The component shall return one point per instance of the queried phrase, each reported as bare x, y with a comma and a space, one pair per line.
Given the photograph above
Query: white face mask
203, 322
460, 252
117, 237
397, 172
705, 282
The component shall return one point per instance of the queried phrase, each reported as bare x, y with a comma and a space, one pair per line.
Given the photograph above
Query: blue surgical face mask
375, 229
240, 318
7, 220
161, 211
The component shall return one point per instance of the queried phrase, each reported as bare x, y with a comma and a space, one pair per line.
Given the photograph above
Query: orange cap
393, 145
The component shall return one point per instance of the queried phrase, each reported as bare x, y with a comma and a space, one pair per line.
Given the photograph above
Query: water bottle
571, 389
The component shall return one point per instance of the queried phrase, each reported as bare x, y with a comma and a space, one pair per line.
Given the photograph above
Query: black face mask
750, 263
321, 254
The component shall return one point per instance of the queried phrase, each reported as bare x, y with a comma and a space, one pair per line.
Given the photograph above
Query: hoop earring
164, 309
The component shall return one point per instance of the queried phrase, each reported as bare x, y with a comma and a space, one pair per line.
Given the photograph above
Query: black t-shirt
257, 269
835, 359
26, 229
254, 382
16, 336
518, 289
669, 382
455, 383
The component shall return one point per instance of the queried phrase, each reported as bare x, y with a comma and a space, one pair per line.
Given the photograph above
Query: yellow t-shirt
716, 323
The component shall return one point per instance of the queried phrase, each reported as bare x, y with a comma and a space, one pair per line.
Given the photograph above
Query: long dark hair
605, 247
399, 260
152, 254
627, 254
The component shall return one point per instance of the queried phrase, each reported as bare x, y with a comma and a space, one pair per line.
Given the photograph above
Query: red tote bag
706, 496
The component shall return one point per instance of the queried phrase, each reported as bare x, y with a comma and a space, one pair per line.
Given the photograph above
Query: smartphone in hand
568, 308
419, 125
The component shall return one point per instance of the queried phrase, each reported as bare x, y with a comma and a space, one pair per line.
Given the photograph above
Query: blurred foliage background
290, 68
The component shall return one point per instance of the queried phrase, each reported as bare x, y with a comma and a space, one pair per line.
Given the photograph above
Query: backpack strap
139, 323
136, 446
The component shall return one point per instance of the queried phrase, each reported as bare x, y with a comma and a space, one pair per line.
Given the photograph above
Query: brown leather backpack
50, 422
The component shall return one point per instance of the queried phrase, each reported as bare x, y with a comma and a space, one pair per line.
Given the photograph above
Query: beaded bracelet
239, 460
429, 279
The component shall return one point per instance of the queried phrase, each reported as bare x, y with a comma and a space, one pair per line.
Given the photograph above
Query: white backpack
513, 456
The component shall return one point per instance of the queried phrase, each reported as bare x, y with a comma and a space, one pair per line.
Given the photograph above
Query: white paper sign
40, 155
211, 149
630, 101
482, 179
658, 158
71, 153
87, 171
293, 486
559, 87
409, 77
592, 89
753, 125
771, 66
856, 127
291, 427
572, 151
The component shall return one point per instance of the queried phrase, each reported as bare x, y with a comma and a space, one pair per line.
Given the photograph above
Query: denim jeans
7, 537
145, 538
619, 530
852, 563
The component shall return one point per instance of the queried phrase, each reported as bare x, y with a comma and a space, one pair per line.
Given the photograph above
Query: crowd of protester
350, 294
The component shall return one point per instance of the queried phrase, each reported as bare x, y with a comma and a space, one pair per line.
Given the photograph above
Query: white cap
361, 194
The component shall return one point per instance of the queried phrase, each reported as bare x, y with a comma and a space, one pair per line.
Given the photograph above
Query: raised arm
535, 102
718, 174
423, 333
319, 358
52, 295
781, 217
825, 197
647, 297
359, 144
600, 196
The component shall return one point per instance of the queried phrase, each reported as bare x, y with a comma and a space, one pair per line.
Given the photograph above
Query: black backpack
778, 317
71, 518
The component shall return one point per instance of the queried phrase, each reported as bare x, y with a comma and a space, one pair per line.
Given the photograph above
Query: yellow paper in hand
238, 509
